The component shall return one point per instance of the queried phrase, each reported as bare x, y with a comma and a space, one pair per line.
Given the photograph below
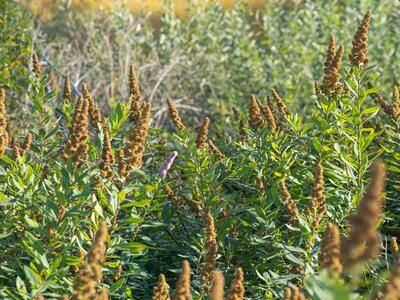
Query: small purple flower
168, 163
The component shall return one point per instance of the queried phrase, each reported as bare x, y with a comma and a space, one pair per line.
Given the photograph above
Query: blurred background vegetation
209, 56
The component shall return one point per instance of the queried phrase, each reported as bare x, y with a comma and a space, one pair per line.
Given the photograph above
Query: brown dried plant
202, 137
391, 290
317, 206
134, 146
329, 256
67, 93
359, 51
291, 206
16, 150
85, 283
182, 290
269, 117
330, 83
395, 248
160, 291
217, 290
76, 146
36, 68
242, 131
107, 154
94, 111
171, 194
293, 293
363, 241
214, 149
211, 248
287, 293
255, 118
3, 123
394, 110
122, 164
135, 97
281, 104
330, 53
174, 114
26, 145
236, 291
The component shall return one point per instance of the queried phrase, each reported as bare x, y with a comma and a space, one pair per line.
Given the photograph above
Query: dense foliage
105, 205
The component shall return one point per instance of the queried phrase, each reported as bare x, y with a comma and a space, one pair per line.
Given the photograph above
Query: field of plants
238, 150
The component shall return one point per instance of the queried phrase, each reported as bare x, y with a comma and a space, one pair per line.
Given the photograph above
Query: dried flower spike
174, 114
134, 146
217, 290
281, 104
329, 257
330, 53
363, 241
107, 154
360, 43
236, 291
3, 123
201, 140
134, 94
211, 247
290, 204
256, 120
36, 68
318, 206
67, 93
182, 290
171, 194
160, 292
269, 116
395, 249
27, 143
391, 289
330, 83
395, 105
214, 149
94, 111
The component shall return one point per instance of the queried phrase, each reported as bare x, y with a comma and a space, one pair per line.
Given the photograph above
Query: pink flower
168, 163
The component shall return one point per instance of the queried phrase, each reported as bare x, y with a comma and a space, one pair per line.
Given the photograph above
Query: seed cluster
3, 123
330, 83
107, 154
281, 104
255, 118
360, 43
76, 146
182, 290
174, 114
293, 294
329, 257
211, 247
92, 272
214, 149
363, 241
160, 291
318, 206
236, 291
290, 204
202, 137
36, 68
67, 93
94, 111
217, 290
135, 97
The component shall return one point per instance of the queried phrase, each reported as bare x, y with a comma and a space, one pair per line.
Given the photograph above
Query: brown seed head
37, 70
330, 83
287, 293
256, 120
107, 154
135, 95
182, 290
214, 149
174, 114
395, 249
317, 206
281, 104
236, 291
94, 111
217, 290
211, 247
3, 123
395, 106
171, 194
330, 53
329, 256
289, 203
201, 140
391, 289
67, 94
363, 241
242, 131
134, 146
160, 292
269, 116
27, 143
360, 43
